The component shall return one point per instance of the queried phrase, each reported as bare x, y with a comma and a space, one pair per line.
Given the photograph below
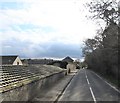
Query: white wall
72, 67
17, 60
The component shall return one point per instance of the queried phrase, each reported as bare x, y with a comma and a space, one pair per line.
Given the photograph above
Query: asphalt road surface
88, 86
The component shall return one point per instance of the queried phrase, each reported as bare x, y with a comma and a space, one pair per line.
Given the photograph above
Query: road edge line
107, 82
62, 92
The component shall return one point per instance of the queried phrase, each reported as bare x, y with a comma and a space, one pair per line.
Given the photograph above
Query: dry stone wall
23, 83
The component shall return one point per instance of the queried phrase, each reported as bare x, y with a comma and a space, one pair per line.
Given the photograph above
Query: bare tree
101, 52
106, 10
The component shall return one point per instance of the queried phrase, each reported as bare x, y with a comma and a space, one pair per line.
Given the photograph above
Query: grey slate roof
68, 59
8, 59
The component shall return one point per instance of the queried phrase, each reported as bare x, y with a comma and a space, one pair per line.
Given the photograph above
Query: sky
44, 28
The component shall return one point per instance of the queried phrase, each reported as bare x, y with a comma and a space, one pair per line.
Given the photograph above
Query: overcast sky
44, 28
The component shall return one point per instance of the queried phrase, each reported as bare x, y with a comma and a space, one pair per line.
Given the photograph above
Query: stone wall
24, 83
30, 91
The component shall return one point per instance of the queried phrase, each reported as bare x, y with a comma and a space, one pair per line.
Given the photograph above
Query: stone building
71, 66
10, 60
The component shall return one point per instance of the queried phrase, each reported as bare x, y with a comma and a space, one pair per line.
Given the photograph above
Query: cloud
27, 27
61, 50
49, 50
11, 5
41, 28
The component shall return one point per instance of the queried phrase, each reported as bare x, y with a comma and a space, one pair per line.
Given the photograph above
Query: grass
112, 80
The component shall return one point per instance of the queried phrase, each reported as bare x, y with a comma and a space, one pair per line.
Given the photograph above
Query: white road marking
93, 96
107, 83
88, 81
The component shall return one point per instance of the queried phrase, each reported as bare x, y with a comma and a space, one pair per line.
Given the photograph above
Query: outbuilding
10, 60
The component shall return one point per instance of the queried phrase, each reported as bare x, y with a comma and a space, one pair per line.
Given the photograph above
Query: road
88, 86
